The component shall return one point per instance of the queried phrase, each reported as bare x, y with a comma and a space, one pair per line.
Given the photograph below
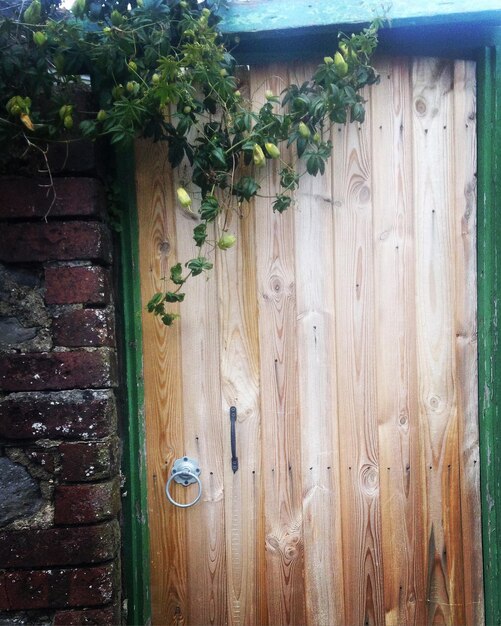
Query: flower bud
340, 64
268, 94
116, 18
183, 197
101, 115
304, 131
272, 150
226, 241
328, 60
39, 38
258, 155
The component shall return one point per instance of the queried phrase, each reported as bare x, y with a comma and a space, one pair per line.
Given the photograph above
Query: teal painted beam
247, 16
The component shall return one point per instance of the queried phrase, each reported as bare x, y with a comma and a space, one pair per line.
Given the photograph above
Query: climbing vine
161, 69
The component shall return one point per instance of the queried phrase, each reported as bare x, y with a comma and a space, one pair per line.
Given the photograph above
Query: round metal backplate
182, 469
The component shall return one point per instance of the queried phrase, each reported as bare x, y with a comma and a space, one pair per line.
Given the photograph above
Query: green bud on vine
183, 197
39, 38
68, 122
317, 138
268, 94
33, 13
101, 115
155, 79
328, 60
340, 64
116, 18
303, 130
258, 155
226, 241
117, 92
132, 66
65, 111
272, 150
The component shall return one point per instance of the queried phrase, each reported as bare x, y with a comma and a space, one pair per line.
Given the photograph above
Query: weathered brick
84, 328
59, 546
57, 370
83, 504
56, 588
76, 157
74, 285
72, 414
88, 461
109, 616
32, 197
55, 241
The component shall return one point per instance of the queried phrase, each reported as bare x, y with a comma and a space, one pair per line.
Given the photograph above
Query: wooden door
344, 331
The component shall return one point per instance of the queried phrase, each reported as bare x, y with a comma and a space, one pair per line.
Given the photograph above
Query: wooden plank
465, 202
203, 432
435, 224
356, 356
281, 435
317, 386
240, 380
162, 386
394, 267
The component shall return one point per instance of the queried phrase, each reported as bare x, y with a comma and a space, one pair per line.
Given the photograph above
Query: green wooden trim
489, 292
135, 511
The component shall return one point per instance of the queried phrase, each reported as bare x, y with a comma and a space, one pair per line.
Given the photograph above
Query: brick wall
59, 452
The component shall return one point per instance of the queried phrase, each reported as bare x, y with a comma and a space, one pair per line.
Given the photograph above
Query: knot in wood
420, 106
369, 479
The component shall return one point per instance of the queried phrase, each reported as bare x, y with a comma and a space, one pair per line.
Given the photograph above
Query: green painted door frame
135, 515
489, 293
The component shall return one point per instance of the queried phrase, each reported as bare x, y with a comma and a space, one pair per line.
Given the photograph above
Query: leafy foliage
160, 69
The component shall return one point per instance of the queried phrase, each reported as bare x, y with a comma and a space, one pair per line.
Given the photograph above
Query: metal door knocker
185, 471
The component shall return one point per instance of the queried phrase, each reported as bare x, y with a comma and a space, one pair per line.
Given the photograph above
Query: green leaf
154, 301
174, 297
169, 318
219, 156
176, 274
200, 234
282, 203
246, 188
209, 209
198, 265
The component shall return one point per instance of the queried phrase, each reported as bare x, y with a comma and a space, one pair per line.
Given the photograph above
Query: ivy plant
161, 69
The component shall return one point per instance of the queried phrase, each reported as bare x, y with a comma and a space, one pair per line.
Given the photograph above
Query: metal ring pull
185, 471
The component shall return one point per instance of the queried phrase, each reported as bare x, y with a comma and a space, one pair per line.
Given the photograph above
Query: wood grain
435, 224
240, 382
344, 331
395, 324
279, 397
356, 374
163, 386
203, 434
464, 178
317, 385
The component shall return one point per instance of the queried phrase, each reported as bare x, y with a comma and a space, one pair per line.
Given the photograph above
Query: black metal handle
233, 421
